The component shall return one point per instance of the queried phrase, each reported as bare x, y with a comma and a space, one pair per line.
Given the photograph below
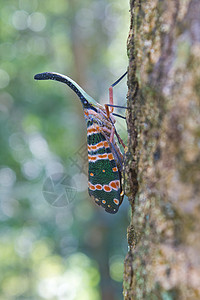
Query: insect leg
117, 115
114, 131
118, 106
107, 110
118, 80
111, 98
119, 139
112, 134
111, 94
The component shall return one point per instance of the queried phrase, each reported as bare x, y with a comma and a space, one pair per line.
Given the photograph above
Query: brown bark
163, 161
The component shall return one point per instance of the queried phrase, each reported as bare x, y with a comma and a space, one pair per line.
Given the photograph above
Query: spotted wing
104, 182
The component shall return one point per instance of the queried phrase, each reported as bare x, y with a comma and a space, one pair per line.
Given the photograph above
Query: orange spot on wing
91, 130
110, 156
113, 185
98, 186
92, 158
91, 174
99, 145
91, 186
102, 156
95, 147
106, 144
103, 201
115, 169
103, 171
116, 201
106, 188
117, 183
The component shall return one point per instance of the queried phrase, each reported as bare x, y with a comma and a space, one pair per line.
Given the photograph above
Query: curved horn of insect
71, 83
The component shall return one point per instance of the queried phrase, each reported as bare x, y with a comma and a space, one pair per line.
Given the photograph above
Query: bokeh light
49, 252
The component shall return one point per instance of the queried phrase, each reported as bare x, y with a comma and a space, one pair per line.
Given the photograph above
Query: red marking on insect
90, 148
113, 185
106, 144
98, 146
107, 188
110, 156
98, 187
116, 201
102, 156
117, 183
94, 158
91, 186
93, 129
95, 147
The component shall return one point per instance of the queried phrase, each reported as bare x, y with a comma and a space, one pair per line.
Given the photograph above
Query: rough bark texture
163, 161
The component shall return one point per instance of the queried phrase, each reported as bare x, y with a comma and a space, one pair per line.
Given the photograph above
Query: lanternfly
104, 156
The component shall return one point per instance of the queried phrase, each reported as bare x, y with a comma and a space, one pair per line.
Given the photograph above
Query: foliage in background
47, 252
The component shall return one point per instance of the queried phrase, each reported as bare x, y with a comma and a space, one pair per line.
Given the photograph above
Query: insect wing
104, 176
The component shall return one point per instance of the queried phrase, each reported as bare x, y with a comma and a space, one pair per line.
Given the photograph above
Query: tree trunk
163, 161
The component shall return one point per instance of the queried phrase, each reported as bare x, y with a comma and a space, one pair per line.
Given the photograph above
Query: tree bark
162, 162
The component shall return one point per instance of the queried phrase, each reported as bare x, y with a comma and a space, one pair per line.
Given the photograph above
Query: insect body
104, 155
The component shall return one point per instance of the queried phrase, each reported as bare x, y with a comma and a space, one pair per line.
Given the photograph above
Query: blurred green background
47, 250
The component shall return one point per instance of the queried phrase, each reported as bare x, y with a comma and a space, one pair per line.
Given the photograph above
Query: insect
104, 155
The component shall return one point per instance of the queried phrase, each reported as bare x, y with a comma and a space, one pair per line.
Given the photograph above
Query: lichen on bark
163, 161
